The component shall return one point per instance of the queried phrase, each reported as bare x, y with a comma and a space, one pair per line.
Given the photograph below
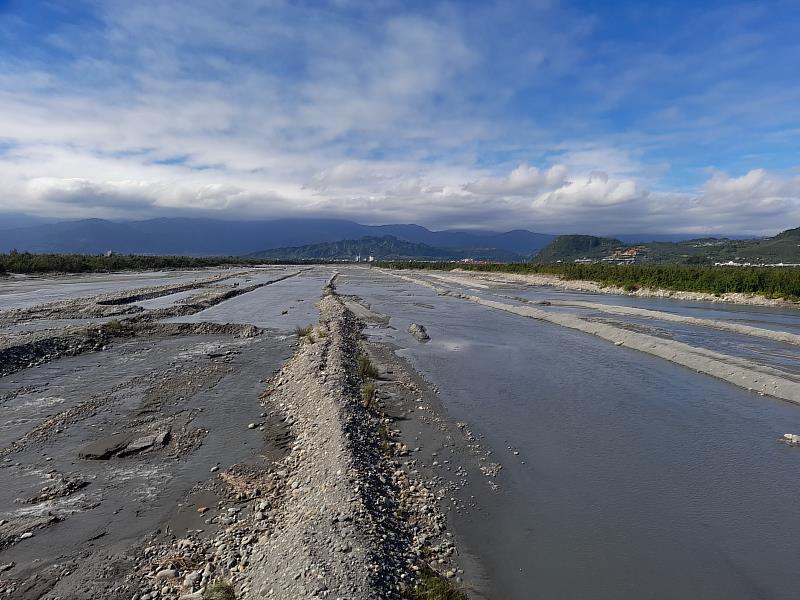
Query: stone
166, 574
419, 332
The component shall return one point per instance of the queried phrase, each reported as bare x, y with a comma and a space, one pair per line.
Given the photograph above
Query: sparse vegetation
384, 437
368, 391
366, 369
112, 327
772, 282
432, 586
222, 589
302, 331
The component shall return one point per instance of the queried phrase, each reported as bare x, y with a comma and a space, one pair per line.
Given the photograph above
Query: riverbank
578, 285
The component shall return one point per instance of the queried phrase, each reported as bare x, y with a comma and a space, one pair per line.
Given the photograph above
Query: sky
618, 116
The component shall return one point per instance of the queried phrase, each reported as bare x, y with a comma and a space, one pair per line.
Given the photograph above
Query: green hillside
575, 247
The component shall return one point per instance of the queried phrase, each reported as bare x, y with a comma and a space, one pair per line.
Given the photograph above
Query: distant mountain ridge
197, 237
387, 247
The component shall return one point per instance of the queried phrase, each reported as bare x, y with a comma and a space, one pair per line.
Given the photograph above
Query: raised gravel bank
349, 523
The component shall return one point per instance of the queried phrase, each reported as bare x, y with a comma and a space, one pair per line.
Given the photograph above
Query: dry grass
368, 391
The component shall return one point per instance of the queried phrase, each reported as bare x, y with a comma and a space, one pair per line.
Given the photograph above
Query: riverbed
624, 475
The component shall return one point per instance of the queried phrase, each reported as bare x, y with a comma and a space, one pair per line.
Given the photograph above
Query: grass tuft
303, 331
366, 369
221, 589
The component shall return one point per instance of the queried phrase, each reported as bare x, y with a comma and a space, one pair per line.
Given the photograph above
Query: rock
791, 438
26, 535
202, 509
145, 443
6, 567
214, 469
252, 426
418, 331
166, 574
105, 448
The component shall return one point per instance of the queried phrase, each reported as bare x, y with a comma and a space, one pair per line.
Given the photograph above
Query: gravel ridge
335, 532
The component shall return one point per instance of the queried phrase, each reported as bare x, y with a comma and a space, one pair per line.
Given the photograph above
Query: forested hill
783, 248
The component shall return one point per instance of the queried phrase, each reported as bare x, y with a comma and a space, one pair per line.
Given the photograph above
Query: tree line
25, 262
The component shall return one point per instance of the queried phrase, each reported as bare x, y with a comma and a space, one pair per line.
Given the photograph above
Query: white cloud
522, 180
262, 108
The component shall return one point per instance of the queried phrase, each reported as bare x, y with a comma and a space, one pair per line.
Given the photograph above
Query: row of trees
24, 262
773, 282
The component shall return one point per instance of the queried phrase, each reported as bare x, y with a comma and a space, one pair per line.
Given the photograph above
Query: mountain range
209, 237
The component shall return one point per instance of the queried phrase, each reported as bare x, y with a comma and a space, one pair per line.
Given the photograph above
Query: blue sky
604, 117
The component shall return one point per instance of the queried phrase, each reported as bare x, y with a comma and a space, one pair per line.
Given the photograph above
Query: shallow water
265, 306
22, 292
641, 479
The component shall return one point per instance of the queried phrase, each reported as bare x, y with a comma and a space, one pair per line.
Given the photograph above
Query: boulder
418, 331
